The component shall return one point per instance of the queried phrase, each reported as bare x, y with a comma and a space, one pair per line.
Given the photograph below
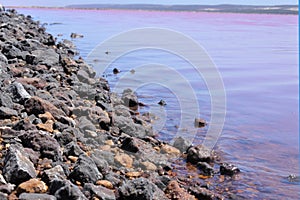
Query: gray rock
64, 189
6, 101
3, 58
56, 172
140, 188
18, 93
83, 76
47, 57
85, 124
3, 196
100, 162
127, 126
88, 69
129, 98
72, 149
181, 144
100, 192
35, 196
85, 170
8, 188
11, 52
18, 168
199, 154
7, 113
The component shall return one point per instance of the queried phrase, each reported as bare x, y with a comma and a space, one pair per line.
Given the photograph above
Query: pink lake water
257, 57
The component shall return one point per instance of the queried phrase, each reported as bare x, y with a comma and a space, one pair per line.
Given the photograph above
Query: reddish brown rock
32, 186
36, 106
175, 192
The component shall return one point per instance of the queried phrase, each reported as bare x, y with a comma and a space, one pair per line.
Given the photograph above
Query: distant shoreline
278, 9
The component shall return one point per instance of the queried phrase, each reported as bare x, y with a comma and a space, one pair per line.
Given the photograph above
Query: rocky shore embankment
64, 135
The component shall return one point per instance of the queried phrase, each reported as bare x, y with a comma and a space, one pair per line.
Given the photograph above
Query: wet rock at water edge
199, 154
206, 169
85, 170
18, 168
229, 169
182, 144
203, 193
130, 99
175, 192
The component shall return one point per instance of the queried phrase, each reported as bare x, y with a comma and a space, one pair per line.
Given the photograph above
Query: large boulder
18, 167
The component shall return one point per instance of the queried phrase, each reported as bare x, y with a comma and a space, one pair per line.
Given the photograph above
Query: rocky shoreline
64, 135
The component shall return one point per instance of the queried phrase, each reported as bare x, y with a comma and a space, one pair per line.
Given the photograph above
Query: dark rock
56, 172
140, 188
205, 194
76, 35
24, 124
205, 168
45, 57
7, 112
35, 196
199, 154
18, 168
64, 189
99, 192
129, 99
18, 93
228, 169
162, 103
116, 71
42, 142
72, 149
199, 123
85, 170
181, 144
131, 144
36, 106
